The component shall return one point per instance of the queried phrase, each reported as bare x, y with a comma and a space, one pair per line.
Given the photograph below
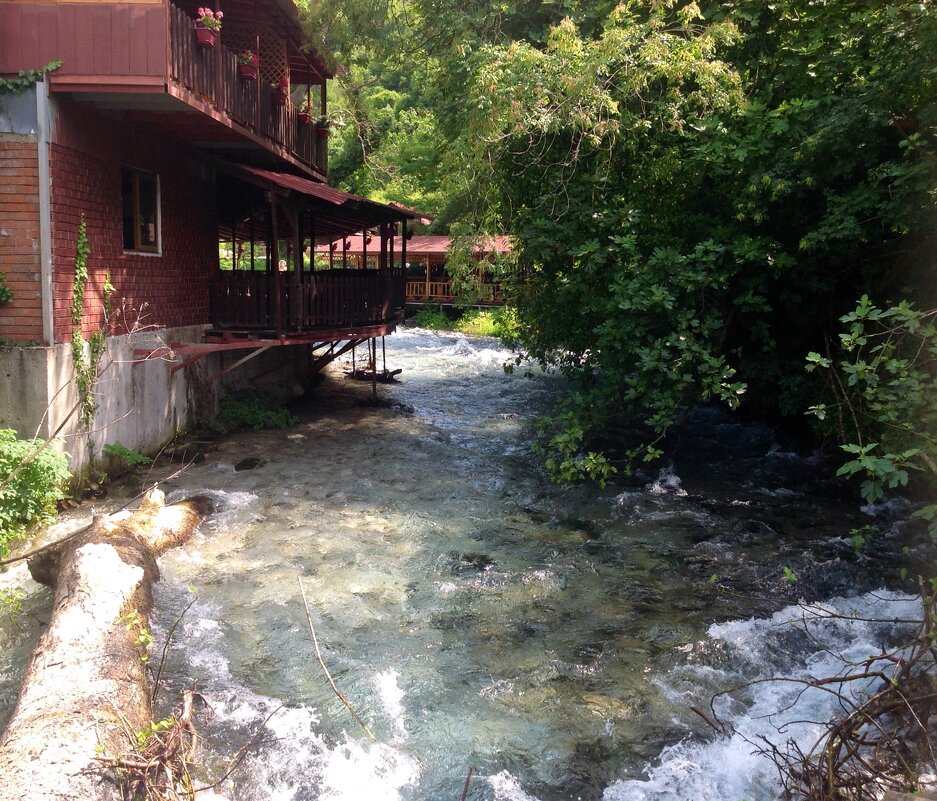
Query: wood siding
99, 39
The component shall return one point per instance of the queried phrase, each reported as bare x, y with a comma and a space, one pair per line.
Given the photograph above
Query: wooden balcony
327, 300
440, 291
211, 75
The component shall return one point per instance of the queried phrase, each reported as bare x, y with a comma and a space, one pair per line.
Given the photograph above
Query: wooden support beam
242, 360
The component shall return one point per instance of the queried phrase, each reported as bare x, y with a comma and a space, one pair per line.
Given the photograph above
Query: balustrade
211, 74
329, 299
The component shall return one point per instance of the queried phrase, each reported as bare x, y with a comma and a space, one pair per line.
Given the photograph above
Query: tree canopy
698, 192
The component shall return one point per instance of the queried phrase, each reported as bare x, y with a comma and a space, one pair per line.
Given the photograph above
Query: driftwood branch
315, 641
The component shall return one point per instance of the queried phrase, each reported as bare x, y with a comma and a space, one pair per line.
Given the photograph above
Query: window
140, 194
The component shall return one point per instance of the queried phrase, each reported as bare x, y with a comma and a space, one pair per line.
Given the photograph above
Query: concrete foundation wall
140, 406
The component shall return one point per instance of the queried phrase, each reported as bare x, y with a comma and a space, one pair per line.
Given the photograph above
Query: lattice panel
273, 55
237, 39
273, 60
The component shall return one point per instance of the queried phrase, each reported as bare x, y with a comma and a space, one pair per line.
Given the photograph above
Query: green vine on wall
6, 294
87, 365
24, 79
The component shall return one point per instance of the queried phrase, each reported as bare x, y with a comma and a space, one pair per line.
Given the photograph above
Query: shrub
499, 322
433, 319
130, 457
255, 410
30, 497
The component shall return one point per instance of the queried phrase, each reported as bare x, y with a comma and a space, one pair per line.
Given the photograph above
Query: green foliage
254, 410
153, 727
30, 496
6, 294
433, 319
858, 537
882, 397
87, 366
479, 322
716, 187
475, 265
499, 322
130, 457
11, 603
24, 79
697, 191
142, 638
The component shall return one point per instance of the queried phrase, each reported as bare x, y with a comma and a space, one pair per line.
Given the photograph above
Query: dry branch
886, 737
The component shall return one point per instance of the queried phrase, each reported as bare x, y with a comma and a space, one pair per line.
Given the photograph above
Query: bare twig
315, 641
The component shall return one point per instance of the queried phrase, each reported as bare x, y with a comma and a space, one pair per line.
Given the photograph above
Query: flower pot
322, 133
205, 37
304, 118
279, 97
247, 72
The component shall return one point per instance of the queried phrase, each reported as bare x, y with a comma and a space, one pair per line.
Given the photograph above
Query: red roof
305, 186
420, 246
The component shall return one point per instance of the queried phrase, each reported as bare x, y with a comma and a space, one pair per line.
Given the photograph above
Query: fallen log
85, 692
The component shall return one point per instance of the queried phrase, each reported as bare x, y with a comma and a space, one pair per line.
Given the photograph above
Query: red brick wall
21, 319
86, 158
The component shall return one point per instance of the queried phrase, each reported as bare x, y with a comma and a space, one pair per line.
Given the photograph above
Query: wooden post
277, 300
296, 294
219, 86
252, 242
323, 143
382, 260
427, 276
259, 79
401, 279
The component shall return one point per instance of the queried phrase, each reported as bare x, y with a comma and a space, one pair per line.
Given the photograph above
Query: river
552, 638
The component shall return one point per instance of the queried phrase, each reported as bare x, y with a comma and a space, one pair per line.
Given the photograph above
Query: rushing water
473, 614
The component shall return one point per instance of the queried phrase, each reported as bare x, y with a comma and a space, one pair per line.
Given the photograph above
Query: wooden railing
327, 299
419, 291
211, 74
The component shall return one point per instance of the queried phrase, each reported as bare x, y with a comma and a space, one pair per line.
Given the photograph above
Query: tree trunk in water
85, 692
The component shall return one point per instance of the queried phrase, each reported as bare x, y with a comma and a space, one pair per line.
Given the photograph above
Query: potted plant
281, 92
305, 118
322, 127
248, 64
207, 27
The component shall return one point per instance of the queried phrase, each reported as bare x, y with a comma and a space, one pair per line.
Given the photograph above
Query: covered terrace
269, 289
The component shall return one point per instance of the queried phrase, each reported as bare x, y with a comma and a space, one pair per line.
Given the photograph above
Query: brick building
203, 190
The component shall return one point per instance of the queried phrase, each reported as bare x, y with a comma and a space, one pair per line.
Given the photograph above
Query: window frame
139, 248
